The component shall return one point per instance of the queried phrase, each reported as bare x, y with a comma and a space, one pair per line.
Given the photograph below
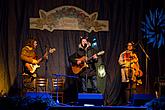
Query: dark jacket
91, 69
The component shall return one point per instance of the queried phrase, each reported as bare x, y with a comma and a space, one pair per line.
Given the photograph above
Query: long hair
30, 42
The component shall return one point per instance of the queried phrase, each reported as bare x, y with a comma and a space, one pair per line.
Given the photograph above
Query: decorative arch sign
68, 18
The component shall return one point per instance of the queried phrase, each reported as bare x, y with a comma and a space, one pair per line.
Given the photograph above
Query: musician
130, 71
29, 56
89, 71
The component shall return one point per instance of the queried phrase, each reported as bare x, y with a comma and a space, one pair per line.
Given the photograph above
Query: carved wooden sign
68, 18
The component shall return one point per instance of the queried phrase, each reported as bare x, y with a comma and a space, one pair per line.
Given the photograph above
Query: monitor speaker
90, 99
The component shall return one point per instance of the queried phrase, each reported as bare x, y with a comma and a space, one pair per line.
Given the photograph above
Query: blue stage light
154, 27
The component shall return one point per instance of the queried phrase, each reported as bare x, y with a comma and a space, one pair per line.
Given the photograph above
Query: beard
85, 45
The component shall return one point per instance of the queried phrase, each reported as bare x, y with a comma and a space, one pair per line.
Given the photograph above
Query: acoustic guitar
76, 69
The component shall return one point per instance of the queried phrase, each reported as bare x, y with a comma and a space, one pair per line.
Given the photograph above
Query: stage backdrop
124, 18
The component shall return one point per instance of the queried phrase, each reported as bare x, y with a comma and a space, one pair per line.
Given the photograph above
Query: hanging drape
124, 16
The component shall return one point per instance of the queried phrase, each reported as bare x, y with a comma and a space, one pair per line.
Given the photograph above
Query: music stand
57, 76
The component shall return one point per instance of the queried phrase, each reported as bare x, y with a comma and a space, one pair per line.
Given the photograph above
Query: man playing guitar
30, 61
84, 67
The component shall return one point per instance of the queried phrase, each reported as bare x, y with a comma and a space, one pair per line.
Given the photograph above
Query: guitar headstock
101, 53
51, 50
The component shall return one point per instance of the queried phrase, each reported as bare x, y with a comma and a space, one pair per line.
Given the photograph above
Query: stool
28, 83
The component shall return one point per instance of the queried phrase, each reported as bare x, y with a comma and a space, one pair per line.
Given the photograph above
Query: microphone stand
86, 76
46, 67
130, 75
147, 57
46, 62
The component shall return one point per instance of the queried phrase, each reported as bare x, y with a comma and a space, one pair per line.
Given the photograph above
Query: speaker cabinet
41, 95
90, 99
141, 99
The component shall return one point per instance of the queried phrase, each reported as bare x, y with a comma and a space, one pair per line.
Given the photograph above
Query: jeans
93, 81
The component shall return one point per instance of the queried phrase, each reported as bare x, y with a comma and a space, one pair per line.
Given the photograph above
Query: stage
85, 101
99, 108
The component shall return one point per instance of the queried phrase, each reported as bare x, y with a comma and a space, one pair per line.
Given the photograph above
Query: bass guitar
77, 68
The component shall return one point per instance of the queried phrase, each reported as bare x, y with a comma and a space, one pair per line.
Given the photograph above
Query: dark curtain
4, 64
124, 16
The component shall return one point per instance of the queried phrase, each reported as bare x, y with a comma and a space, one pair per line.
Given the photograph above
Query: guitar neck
89, 58
99, 53
39, 60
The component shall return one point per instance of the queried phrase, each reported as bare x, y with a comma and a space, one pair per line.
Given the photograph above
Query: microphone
85, 45
136, 43
132, 43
